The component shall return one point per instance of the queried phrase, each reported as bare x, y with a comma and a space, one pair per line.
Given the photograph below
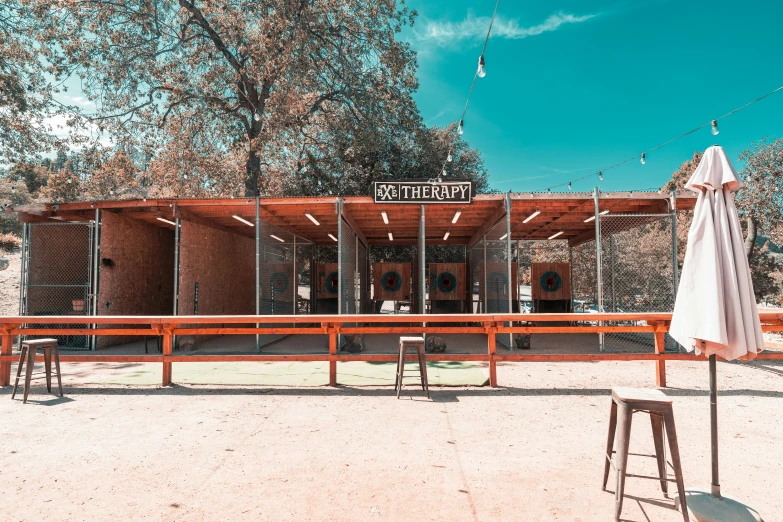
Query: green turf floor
442, 373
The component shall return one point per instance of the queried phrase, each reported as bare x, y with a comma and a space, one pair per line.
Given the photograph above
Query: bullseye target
279, 282
331, 283
496, 284
550, 281
447, 281
327, 282
391, 281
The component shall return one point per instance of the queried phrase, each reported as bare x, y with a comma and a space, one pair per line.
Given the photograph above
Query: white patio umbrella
715, 311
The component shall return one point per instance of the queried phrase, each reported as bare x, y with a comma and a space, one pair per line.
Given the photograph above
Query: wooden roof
559, 212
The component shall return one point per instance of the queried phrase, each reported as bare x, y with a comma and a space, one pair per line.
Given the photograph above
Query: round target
391, 281
331, 283
551, 281
279, 282
497, 280
447, 282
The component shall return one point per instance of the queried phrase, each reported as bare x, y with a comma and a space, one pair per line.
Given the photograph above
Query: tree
267, 79
26, 103
761, 200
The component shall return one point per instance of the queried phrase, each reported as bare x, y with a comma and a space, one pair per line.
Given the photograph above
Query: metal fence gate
57, 276
637, 273
491, 289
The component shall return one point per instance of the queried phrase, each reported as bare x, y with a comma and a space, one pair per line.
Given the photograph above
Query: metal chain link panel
57, 278
637, 273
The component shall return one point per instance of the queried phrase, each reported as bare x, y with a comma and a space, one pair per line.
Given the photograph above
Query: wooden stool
659, 406
416, 343
29, 349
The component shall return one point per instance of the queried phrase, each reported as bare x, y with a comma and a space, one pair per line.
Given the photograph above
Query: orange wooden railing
332, 325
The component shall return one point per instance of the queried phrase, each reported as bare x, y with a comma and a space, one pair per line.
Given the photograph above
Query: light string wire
637, 156
470, 93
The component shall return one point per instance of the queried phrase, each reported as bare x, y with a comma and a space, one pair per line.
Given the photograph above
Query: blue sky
574, 86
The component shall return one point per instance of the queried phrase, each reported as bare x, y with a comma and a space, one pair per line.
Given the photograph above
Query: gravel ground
529, 451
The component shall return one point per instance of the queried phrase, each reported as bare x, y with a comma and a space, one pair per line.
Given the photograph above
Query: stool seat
414, 343
27, 356
626, 402
639, 395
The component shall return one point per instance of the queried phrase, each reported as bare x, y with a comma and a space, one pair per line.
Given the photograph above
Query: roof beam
496, 216
187, 215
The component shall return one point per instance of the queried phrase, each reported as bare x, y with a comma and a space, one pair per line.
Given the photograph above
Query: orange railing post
660, 364
168, 348
5, 367
332, 351
491, 349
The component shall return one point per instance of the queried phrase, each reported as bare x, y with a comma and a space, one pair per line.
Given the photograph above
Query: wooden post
491, 346
332, 351
660, 366
168, 347
5, 367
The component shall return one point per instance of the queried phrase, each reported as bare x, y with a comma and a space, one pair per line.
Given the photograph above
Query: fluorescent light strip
503, 236
385, 217
593, 217
391, 237
334, 238
243, 220
311, 218
167, 221
275, 237
446, 236
456, 217
531, 216
555, 235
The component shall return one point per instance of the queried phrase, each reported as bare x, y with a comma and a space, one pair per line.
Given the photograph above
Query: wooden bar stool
629, 401
29, 350
415, 343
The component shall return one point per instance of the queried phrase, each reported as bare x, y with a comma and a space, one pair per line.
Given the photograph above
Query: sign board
423, 192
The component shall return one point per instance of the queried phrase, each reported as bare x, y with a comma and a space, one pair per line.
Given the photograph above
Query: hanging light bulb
569, 185
448, 158
68, 181
548, 190
643, 159
482, 70
13, 189
460, 127
185, 177
257, 117
600, 176
715, 130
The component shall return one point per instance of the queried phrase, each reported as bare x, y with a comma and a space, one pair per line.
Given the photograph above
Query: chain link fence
57, 279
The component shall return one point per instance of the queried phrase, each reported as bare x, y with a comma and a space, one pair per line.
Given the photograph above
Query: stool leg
423, 371
660, 452
610, 442
22, 354
57, 367
674, 450
48, 366
623, 444
400, 369
28, 375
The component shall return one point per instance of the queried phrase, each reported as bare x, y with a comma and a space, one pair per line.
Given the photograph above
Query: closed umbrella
715, 311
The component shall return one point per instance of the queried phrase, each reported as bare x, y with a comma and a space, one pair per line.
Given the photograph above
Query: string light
713, 124
461, 127
257, 117
569, 185
482, 70
448, 158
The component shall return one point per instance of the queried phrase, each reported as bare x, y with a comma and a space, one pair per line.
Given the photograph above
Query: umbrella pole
714, 425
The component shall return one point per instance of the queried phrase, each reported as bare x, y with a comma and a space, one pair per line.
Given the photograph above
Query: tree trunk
252, 174
750, 237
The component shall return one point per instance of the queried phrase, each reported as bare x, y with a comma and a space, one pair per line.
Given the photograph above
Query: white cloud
473, 27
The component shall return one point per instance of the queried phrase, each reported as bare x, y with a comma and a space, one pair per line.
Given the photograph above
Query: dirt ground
531, 450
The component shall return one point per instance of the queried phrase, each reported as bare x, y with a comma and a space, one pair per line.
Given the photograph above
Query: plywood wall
447, 281
391, 281
550, 281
